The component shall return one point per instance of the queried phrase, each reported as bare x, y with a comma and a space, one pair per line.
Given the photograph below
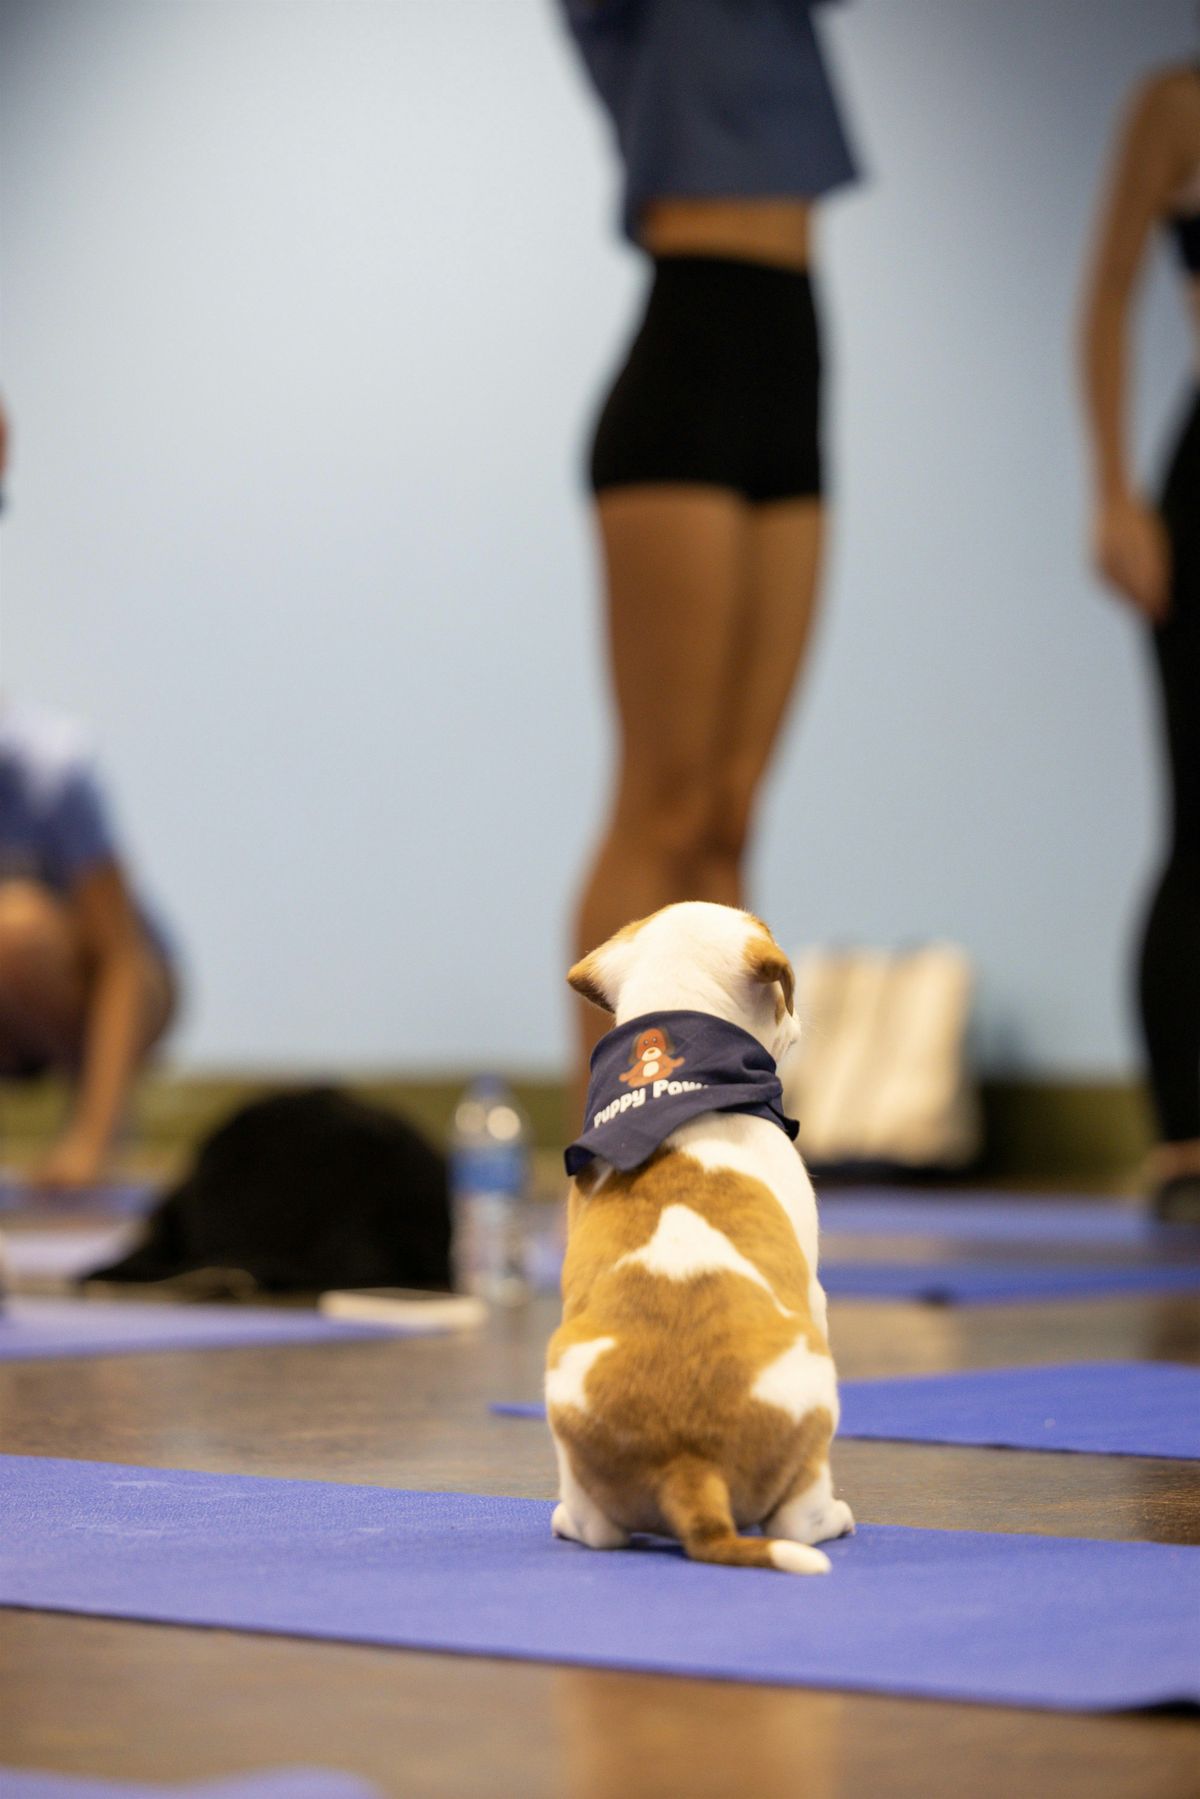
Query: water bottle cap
488, 1086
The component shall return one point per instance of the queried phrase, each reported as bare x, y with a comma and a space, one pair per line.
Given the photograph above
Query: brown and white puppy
689, 1388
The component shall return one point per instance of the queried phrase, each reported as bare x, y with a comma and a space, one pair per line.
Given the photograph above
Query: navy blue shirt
54, 824
654, 1073
714, 98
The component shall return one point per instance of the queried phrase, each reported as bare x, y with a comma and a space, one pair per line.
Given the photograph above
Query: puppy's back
688, 1365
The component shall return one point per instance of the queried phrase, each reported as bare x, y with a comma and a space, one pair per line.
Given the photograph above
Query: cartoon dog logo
651, 1060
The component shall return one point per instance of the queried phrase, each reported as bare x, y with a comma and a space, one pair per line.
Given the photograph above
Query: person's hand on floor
72, 1164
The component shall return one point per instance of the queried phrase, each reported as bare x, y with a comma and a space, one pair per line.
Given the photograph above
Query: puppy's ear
587, 978
599, 975
766, 962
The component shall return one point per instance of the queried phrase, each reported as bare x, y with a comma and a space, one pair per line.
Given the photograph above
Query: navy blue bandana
651, 1075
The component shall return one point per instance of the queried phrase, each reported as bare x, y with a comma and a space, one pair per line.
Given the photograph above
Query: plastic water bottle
489, 1173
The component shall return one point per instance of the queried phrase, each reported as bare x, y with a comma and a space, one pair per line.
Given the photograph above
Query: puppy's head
696, 957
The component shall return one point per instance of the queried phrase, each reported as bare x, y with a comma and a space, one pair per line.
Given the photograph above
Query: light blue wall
305, 306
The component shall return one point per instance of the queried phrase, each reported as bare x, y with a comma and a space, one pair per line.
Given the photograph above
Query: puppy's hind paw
561, 1525
837, 1522
596, 1531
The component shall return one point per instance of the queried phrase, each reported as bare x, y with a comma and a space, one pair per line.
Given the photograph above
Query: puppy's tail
694, 1500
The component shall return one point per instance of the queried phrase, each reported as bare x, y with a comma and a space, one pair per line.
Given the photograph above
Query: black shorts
721, 386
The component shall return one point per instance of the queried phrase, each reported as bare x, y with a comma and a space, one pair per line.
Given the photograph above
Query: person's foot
1177, 1201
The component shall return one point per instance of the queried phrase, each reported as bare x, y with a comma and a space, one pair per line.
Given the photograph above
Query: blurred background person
87, 975
706, 465
1149, 553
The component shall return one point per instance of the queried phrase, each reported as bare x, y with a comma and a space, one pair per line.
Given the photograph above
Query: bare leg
44, 982
42, 986
714, 601
778, 605
675, 565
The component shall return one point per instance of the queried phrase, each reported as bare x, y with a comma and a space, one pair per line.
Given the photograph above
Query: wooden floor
139, 1702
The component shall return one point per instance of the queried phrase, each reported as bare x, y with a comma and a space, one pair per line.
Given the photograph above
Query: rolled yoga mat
1047, 1622
1096, 1408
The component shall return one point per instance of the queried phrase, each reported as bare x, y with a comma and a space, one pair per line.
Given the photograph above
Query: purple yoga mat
32, 1329
996, 1218
64, 1255
126, 1199
1096, 1408
999, 1283
1046, 1622
273, 1783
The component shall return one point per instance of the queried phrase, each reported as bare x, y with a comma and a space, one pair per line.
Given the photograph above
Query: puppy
689, 1389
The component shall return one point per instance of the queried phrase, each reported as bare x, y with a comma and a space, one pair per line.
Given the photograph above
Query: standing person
706, 460
1150, 555
87, 982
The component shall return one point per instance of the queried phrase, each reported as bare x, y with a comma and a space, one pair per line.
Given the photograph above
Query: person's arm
111, 940
1129, 543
